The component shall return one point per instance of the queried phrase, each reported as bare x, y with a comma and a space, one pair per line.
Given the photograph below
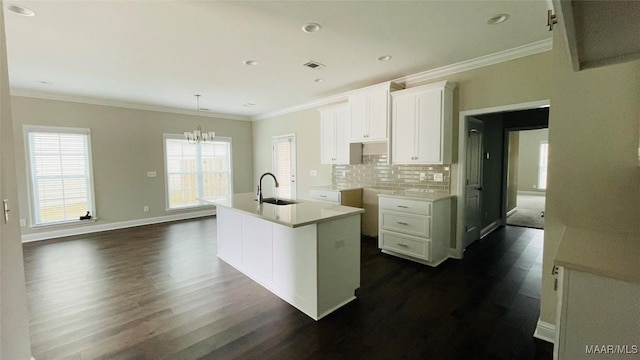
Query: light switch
313, 173
151, 174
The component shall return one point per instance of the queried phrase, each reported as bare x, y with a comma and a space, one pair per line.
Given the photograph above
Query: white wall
126, 143
594, 177
529, 158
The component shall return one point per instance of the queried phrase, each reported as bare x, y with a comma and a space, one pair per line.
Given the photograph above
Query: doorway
284, 165
527, 177
497, 123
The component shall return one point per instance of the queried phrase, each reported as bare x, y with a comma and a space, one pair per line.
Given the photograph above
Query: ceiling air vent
313, 65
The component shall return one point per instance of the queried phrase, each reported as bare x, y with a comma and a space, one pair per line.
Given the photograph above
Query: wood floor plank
160, 292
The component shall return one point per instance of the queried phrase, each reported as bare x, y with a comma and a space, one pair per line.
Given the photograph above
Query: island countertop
305, 212
608, 254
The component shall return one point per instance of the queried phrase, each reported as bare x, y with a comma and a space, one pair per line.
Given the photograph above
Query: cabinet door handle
403, 206
402, 223
403, 245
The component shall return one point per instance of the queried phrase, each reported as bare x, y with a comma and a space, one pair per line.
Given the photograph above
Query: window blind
282, 166
60, 174
196, 170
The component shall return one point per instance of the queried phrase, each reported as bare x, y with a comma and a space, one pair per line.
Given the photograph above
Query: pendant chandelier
197, 135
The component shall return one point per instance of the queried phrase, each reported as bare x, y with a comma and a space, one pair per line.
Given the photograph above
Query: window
196, 170
60, 174
284, 165
542, 165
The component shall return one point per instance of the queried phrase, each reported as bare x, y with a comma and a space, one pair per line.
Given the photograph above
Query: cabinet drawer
325, 195
405, 205
406, 245
406, 223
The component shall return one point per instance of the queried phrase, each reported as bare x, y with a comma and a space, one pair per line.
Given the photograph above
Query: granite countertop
414, 195
601, 253
305, 212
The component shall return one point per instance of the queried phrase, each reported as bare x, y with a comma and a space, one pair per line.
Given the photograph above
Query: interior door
473, 191
14, 327
284, 165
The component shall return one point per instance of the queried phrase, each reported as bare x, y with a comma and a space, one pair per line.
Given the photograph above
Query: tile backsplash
375, 173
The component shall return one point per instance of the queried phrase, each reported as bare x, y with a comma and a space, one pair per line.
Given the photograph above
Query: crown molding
482, 61
122, 104
487, 60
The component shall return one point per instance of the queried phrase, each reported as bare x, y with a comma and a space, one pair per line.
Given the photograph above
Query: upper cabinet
334, 137
369, 109
422, 124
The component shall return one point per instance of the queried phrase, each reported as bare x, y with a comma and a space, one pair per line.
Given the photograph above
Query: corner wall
593, 176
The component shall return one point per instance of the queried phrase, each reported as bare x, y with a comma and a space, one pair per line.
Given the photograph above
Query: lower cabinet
597, 317
415, 229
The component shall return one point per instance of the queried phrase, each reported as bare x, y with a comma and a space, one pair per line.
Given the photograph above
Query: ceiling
159, 54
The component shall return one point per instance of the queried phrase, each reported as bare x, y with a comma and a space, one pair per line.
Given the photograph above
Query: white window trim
166, 172
57, 129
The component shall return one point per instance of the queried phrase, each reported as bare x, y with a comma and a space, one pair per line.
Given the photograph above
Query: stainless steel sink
276, 201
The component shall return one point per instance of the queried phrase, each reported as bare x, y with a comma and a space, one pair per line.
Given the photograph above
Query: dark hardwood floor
159, 292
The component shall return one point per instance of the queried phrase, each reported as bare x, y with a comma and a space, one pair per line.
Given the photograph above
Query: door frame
458, 251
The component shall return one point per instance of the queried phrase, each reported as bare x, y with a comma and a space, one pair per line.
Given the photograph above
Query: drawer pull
323, 196
403, 245
403, 206
402, 223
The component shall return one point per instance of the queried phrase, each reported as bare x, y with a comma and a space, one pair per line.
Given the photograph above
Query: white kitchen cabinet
598, 309
347, 197
416, 229
335, 147
369, 112
422, 124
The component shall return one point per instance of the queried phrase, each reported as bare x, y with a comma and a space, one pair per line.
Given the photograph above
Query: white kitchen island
307, 253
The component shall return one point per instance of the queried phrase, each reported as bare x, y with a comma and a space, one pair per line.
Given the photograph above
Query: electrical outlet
423, 176
313, 173
152, 174
438, 177
23, 222
145, 208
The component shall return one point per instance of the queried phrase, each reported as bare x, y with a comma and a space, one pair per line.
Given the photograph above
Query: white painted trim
491, 59
123, 104
45, 235
462, 147
537, 193
545, 331
489, 228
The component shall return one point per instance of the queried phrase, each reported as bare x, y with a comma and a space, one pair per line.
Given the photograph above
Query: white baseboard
545, 331
539, 193
45, 235
489, 228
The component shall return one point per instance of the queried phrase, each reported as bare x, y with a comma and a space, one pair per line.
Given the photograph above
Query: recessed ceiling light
319, 80
250, 62
498, 19
20, 10
384, 58
311, 27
